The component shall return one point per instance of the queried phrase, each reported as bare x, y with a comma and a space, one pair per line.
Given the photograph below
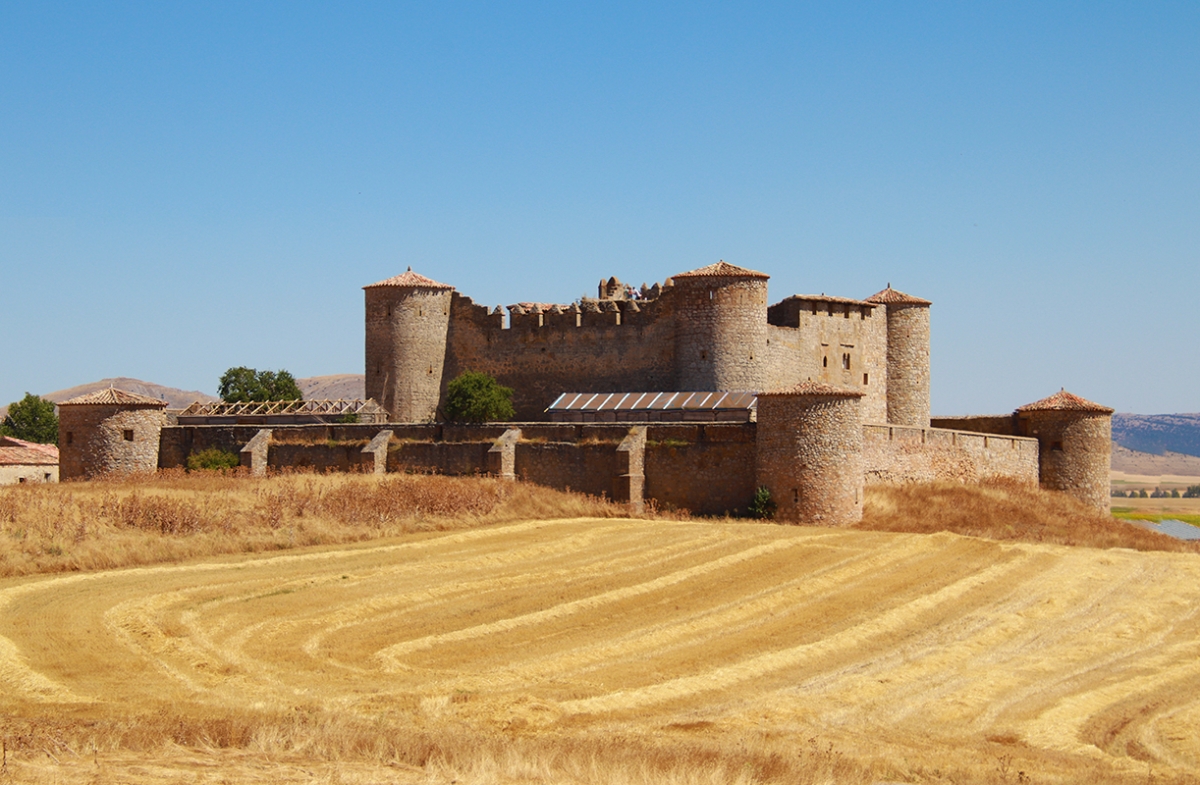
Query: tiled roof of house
1063, 401
113, 397
813, 388
411, 279
891, 296
828, 298
18, 452
721, 269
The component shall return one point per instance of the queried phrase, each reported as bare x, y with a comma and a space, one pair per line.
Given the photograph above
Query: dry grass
170, 516
559, 648
1005, 510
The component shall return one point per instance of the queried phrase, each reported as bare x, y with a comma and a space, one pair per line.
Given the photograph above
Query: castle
833, 395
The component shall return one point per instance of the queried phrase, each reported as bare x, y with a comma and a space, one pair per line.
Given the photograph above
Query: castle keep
708, 329
690, 394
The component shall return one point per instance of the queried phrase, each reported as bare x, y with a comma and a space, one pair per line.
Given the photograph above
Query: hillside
341, 385
1158, 433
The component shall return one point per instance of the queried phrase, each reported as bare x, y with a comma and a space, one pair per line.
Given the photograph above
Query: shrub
213, 459
476, 397
242, 384
762, 505
32, 419
1193, 492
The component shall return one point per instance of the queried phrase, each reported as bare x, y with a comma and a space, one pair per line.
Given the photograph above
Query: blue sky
188, 187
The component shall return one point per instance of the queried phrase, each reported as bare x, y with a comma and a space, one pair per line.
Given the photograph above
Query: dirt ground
916, 658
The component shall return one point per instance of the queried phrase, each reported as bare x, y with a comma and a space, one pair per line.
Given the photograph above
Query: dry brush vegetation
438, 629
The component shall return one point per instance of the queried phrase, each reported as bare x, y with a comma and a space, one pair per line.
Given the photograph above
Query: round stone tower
907, 357
109, 432
809, 453
1074, 445
408, 318
720, 328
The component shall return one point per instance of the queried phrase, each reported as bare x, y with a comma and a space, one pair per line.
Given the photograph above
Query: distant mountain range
1158, 433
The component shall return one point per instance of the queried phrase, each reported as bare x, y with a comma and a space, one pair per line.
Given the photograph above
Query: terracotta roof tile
721, 269
890, 295
826, 298
18, 452
113, 397
411, 279
813, 388
1063, 401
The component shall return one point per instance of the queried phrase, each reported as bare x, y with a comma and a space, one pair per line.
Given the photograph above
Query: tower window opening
846, 361
1056, 446
128, 434
795, 495
865, 380
824, 362
420, 312
710, 294
846, 314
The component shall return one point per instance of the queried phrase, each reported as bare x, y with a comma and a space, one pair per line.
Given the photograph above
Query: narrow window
70, 437
20, 479
128, 434
865, 382
824, 362
846, 361
847, 313
47, 476
795, 495
710, 294
420, 312
1056, 446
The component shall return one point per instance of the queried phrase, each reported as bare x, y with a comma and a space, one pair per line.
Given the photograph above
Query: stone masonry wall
810, 340
908, 364
92, 439
894, 455
17, 473
809, 457
405, 349
543, 355
1076, 453
720, 333
999, 424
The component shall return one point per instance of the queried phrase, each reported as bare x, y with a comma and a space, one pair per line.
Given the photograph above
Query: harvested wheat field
611, 650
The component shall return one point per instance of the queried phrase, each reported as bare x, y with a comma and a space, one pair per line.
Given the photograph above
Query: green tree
476, 397
242, 384
32, 419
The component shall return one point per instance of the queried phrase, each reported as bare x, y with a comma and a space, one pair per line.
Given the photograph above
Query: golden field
465, 646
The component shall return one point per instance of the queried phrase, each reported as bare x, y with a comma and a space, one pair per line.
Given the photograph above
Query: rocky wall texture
544, 355
703, 477
406, 332
720, 333
1075, 453
908, 364
999, 424
99, 439
809, 455
14, 474
896, 455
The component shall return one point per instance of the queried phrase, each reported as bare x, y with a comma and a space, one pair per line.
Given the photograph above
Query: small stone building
109, 432
22, 461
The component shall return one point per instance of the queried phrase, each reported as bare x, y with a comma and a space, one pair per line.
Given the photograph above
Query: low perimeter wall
895, 454
707, 468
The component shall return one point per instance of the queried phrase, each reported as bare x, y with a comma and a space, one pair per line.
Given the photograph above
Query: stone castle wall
1075, 454
405, 349
908, 364
842, 343
96, 439
13, 474
809, 456
720, 333
543, 355
895, 454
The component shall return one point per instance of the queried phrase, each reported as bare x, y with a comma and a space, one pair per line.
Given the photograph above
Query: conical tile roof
411, 280
113, 397
890, 296
721, 269
1063, 401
